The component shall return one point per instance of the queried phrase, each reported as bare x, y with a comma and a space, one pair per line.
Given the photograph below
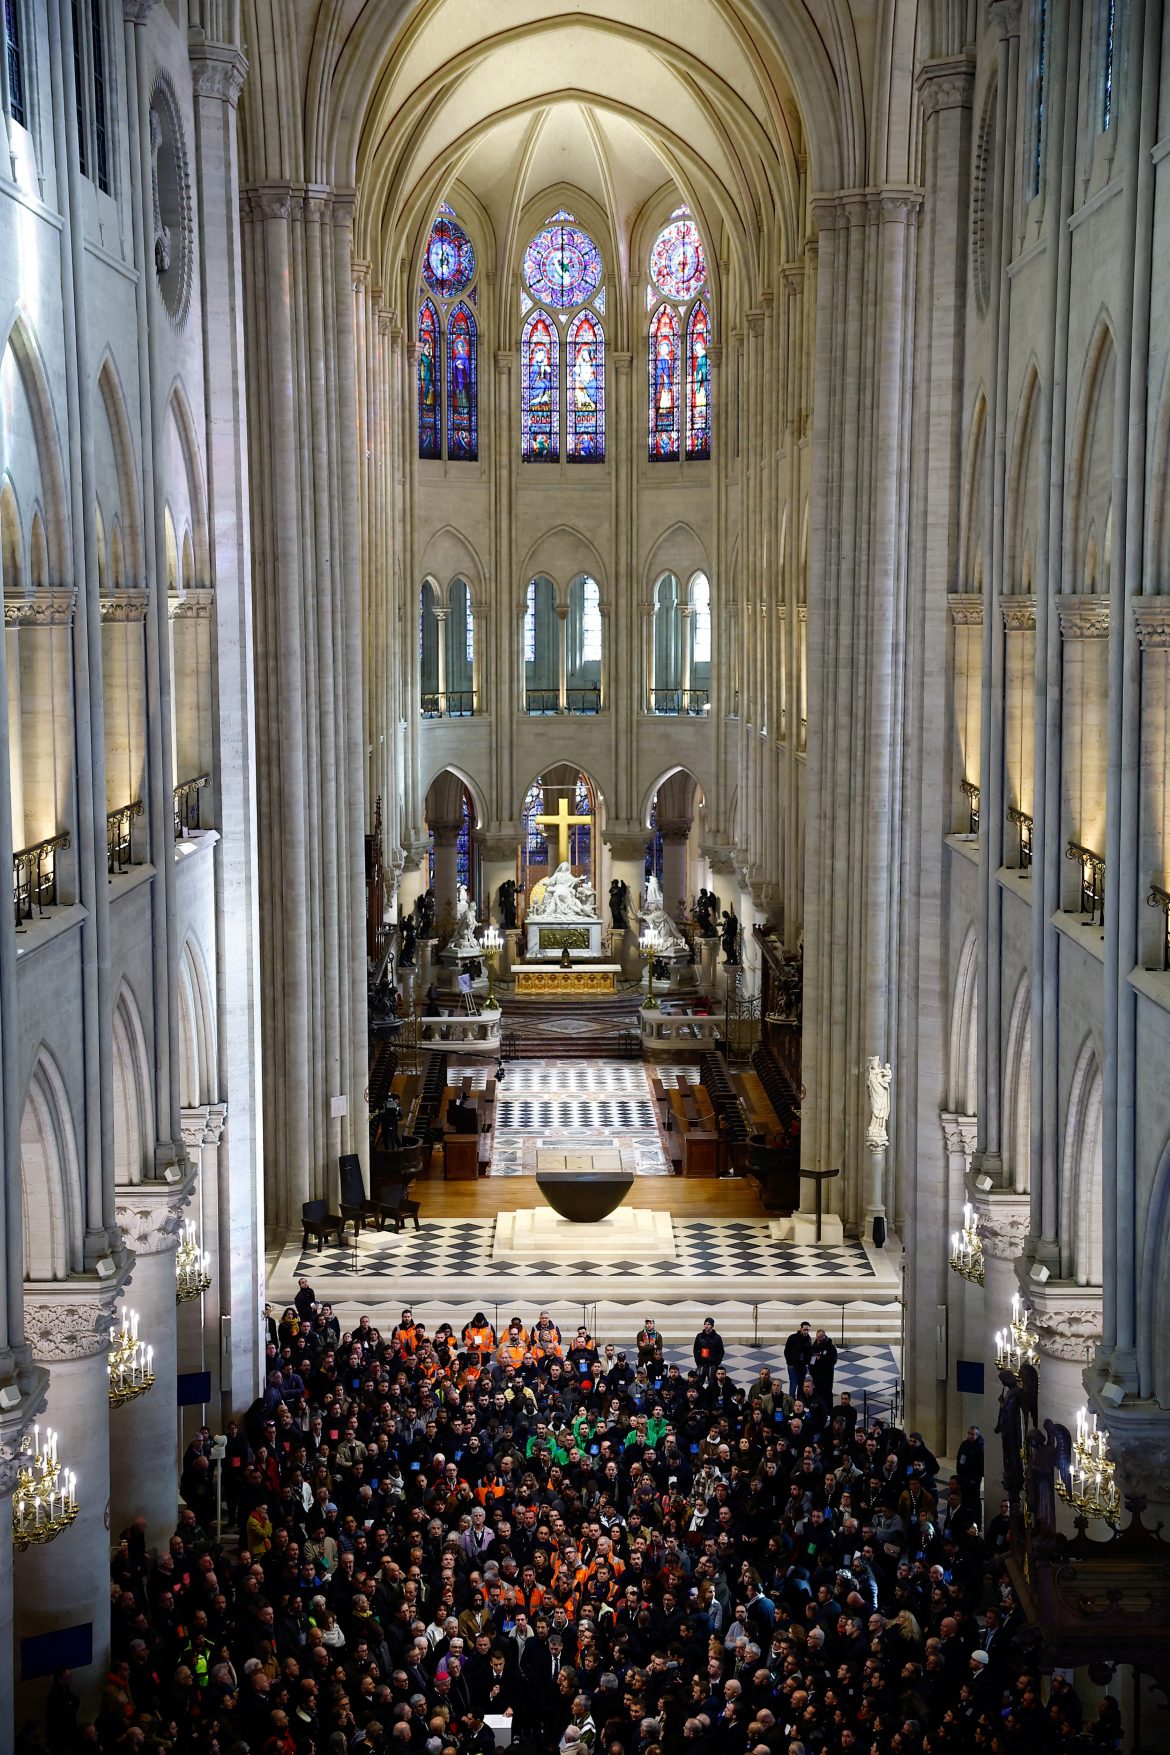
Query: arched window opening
679, 388
541, 648
666, 679
583, 646
428, 655
653, 865
459, 694
448, 342
100, 537
172, 550
697, 684
541, 848
563, 273
1039, 92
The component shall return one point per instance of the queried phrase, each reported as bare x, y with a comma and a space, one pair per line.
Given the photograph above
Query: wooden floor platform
725, 1199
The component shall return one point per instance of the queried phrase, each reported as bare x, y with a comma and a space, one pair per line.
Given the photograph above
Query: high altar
562, 915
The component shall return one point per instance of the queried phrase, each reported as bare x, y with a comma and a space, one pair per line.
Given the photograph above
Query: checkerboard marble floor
870, 1373
606, 1104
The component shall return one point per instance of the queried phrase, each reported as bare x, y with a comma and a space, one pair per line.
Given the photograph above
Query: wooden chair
396, 1204
356, 1208
320, 1223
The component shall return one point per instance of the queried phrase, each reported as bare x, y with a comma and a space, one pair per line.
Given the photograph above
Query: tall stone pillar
627, 862
60, 1585
446, 873
200, 1320
1003, 1228
675, 892
150, 1216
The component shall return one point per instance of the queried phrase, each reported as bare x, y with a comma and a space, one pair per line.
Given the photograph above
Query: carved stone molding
1152, 618
137, 11
960, 1133
1005, 15
151, 1213
197, 603
1004, 1221
497, 847
71, 1319
316, 205
129, 605
1067, 1319
203, 1125
946, 84
675, 828
966, 609
1019, 613
218, 71
722, 861
344, 202
1083, 617
1139, 1442
267, 201
49, 606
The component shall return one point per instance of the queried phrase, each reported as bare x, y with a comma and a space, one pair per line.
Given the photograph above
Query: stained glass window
539, 390
698, 382
581, 835
678, 264
1109, 49
12, 45
536, 846
530, 624
664, 384
562, 264
449, 260
463, 848
590, 623
461, 386
429, 441
585, 366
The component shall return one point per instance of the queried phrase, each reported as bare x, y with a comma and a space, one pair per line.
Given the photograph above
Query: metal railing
970, 792
120, 836
542, 701
186, 802
680, 703
1092, 893
1160, 898
1023, 825
586, 700
451, 704
34, 878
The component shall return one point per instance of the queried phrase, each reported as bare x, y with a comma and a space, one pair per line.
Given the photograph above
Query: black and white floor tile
868, 1372
605, 1104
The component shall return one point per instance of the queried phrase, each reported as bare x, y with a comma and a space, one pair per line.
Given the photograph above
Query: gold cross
561, 823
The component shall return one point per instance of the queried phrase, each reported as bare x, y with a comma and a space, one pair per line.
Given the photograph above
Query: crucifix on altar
562, 822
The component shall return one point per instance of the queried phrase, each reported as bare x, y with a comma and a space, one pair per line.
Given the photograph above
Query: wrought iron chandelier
1092, 1491
130, 1362
967, 1248
192, 1265
44, 1500
1016, 1344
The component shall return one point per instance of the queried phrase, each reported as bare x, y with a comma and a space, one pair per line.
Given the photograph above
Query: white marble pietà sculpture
653, 915
463, 939
565, 897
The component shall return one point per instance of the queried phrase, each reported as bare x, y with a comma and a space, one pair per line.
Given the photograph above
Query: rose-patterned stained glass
429, 358
539, 390
664, 384
449, 259
562, 264
585, 368
462, 425
678, 262
698, 382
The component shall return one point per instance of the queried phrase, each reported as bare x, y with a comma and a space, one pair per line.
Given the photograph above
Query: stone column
446, 880
63, 1585
1003, 1227
628, 862
675, 893
200, 1320
1067, 1318
14, 1423
150, 1217
497, 863
963, 1299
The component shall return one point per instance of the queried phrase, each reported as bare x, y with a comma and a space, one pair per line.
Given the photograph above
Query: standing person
797, 1353
708, 1350
649, 1344
821, 1366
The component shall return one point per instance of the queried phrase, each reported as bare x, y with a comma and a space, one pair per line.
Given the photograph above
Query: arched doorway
562, 791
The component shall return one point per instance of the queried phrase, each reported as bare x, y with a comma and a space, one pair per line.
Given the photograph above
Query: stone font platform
537, 1234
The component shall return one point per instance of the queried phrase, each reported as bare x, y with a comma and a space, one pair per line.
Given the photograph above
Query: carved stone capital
1152, 618
268, 200
959, 1133
1019, 613
966, 609
137, 11
1139, 1441
71, 1319
1004, 1220
217, 71
129, 605
1005, 15
1083, 617
946, 84
48, 606
203, 1125
316, 205
15, 1422
151, 1213
675, 828
446, 834
1066, 1318
344, 206
498, 848
627, 846
722, 861
197, 603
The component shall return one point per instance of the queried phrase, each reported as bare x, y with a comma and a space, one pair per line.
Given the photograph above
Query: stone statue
671, 942
506, 897
407, 942
730, 937
463, 939
1010, 1426
619, 896
565, 897
424, 913
705, 914
877, 1079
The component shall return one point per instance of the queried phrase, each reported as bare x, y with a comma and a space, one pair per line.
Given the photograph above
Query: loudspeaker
983, 1183
879, 1231
1113, 1394
9, 1397
107, 1267
1039, 1273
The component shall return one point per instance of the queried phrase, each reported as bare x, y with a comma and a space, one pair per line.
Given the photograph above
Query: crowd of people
453, 1542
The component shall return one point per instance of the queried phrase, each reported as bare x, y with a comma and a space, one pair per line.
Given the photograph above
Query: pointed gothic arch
963, 1074
1017, 1091
1081, 1185
50, 1177
133, 1105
